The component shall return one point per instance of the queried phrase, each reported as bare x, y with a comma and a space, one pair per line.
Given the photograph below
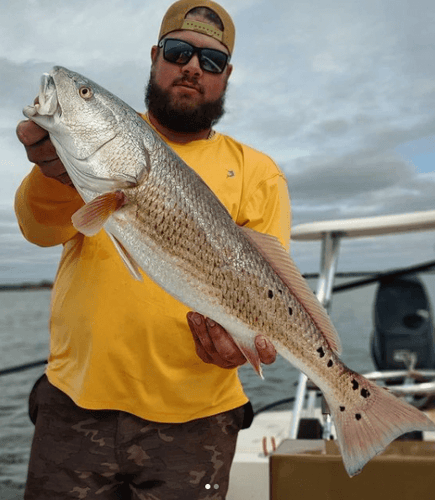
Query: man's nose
193, 67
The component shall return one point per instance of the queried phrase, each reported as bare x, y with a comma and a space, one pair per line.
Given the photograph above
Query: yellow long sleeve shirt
116, 343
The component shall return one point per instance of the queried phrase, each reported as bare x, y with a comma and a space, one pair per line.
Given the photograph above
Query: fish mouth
46, 103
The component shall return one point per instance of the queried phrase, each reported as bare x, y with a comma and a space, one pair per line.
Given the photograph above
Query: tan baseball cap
175, 19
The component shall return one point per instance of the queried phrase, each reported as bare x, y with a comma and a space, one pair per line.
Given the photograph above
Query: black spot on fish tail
321, 351
330, 363
270, 294
358, 416
290, 311
365, 393
355, 384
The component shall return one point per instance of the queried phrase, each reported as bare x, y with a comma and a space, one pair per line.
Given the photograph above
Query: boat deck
249, 476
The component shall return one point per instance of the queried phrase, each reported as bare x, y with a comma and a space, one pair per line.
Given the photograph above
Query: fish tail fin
365, 429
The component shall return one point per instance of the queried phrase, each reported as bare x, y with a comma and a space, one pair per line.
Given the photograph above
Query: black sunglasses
180, 52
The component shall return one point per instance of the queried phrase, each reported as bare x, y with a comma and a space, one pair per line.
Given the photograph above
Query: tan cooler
313, 470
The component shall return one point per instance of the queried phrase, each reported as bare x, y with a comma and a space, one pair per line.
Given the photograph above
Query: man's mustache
188, 82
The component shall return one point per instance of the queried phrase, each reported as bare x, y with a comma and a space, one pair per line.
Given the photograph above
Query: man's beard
181, 117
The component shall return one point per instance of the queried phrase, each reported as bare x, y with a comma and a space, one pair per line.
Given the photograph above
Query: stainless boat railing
328, 268
325, 286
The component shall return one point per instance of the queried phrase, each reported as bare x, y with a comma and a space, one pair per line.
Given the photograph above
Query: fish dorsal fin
91, 218
277, 256
128, 260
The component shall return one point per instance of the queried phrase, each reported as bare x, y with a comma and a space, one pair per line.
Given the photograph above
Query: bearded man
141, 398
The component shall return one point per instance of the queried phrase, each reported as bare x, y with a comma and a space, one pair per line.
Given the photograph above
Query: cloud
337, 92
347, 176
77, 32
360, 185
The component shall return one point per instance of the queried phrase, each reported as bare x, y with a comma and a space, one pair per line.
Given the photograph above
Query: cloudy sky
340, 93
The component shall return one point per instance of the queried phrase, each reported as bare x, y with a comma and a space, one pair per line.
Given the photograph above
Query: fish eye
85, 92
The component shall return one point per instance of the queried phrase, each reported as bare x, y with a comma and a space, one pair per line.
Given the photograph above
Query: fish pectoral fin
91, 218
128, 260
278, 257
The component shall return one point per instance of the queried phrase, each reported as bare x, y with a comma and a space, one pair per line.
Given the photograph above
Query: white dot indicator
208, 486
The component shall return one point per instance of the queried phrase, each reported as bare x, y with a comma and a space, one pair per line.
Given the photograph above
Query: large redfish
164, 219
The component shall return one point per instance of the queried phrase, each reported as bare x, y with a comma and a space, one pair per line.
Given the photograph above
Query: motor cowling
403, 323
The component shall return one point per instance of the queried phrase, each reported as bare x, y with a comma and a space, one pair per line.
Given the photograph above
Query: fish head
75, 111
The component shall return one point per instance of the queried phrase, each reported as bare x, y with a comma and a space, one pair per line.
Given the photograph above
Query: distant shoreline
41, 285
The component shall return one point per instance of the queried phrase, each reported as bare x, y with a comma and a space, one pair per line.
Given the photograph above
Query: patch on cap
174, 20
208, 29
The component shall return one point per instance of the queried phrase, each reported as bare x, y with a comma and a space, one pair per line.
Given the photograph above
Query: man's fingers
200, 336
29, 132
266, 351
224, 344
212, 342
42, 152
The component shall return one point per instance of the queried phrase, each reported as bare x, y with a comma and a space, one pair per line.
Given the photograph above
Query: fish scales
185, 238
224, 281
164, 220
176, 214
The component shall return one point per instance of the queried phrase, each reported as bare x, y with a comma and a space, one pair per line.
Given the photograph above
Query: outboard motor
402, 325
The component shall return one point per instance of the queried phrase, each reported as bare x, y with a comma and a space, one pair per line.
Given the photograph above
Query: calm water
24, 338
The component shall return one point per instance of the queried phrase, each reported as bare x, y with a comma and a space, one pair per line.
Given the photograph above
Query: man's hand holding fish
214, 345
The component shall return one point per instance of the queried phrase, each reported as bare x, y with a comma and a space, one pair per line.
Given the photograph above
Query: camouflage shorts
112, 455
